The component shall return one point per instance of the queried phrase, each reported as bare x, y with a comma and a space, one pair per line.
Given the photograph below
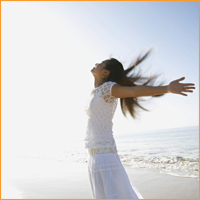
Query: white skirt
108, 177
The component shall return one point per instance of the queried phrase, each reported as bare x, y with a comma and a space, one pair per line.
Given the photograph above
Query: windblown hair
120, 76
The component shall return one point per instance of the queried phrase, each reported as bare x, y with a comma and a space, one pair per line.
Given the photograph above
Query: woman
107, 175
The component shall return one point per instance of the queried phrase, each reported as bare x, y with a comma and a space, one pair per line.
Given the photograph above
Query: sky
49, 47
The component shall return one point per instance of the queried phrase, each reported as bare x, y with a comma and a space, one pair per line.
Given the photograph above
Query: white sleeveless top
100, 110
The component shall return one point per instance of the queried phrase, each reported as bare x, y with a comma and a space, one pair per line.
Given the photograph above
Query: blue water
182, 142
171, 151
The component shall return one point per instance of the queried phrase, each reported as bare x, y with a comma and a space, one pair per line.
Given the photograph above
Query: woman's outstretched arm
142, 90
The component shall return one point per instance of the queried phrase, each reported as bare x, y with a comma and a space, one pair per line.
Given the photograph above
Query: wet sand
48, 179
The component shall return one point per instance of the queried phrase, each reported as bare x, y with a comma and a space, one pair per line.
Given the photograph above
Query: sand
49, 179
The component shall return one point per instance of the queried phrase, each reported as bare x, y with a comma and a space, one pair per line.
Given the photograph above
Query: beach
34, 178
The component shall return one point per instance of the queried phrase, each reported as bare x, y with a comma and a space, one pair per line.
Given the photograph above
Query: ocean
170, 151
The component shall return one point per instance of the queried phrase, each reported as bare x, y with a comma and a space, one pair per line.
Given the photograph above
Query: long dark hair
120, 76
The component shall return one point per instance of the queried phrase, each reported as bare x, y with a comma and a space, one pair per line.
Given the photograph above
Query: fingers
180, 79
189, 87
187, 84
183, 94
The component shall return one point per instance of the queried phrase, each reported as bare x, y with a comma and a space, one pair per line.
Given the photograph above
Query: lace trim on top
95, 144
95, 151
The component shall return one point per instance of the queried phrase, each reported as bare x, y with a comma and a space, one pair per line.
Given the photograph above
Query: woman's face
99, 69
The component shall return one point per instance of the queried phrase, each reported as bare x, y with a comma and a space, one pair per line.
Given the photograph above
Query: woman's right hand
178, 88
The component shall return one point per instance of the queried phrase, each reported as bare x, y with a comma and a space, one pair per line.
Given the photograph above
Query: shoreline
51, 179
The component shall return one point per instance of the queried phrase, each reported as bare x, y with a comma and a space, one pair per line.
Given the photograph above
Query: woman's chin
92, 72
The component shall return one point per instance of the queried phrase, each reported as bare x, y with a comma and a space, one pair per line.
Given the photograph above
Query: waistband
95, 151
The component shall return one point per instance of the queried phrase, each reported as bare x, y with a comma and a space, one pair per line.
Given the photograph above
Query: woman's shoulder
107, 89
111, 82
108, 85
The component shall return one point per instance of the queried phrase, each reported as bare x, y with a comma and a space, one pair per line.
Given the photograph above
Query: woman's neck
97, 82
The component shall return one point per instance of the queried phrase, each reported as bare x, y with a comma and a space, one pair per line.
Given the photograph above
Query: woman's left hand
179, 88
